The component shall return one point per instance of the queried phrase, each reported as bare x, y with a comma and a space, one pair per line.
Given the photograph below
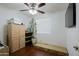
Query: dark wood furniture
28, 38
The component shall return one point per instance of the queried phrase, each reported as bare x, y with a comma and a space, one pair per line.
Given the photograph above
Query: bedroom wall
73, 36
51, 28
6, 14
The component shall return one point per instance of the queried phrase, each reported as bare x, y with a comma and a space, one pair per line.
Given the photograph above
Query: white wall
5, 15
73, 35
51, 28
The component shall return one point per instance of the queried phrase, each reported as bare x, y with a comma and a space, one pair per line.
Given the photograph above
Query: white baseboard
52, 47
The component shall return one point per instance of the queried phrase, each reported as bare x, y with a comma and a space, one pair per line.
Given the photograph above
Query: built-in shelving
28, 38
27, 41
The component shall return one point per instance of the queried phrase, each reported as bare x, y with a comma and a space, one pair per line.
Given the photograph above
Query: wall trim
52, 47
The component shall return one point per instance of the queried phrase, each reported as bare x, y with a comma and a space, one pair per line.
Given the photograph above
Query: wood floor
33, 51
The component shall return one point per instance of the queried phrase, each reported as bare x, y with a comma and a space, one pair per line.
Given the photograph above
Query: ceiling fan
32, 8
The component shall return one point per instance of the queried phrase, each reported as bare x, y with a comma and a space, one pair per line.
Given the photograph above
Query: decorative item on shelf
11, 20
15, 21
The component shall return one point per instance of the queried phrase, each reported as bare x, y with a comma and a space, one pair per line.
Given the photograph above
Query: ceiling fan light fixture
33, 12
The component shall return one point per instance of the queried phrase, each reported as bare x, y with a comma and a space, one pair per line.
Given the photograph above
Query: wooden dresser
16, 37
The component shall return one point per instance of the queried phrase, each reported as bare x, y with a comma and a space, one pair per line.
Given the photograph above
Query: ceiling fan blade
41, 4
26, 4
24, 10
41, 11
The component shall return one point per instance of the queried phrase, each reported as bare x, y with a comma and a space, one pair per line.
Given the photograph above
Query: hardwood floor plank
34, 51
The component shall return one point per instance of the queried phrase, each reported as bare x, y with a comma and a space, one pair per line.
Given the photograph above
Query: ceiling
49, 7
